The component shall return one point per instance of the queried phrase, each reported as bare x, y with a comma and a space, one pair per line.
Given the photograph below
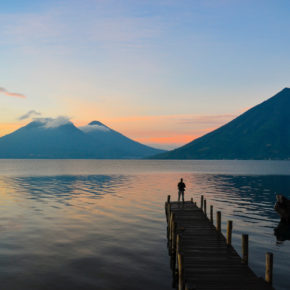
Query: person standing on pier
181, 188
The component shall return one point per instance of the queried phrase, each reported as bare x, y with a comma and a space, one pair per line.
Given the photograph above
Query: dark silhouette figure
181, 188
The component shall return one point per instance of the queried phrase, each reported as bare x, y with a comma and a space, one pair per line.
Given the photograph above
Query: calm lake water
100, 224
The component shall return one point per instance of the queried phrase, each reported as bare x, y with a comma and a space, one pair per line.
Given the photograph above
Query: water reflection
66, 187
255, 194
109, 231
81, 232
282, 232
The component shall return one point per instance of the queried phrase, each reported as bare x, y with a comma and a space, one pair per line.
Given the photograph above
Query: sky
162, 72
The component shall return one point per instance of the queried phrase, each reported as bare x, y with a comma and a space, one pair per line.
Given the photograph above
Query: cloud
91, 128
53, 122
7, 93
29, 114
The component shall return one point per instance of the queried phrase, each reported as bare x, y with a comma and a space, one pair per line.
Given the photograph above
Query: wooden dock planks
200, 256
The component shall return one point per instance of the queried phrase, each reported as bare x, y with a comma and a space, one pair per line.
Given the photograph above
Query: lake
100, 224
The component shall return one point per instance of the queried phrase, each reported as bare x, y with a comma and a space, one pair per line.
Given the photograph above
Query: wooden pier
202, 258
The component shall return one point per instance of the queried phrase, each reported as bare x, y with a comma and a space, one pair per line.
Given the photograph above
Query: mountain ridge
262, 132
59, 138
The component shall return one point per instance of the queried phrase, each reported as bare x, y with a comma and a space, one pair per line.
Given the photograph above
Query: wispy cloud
92, 128
29, 114
54, 122
11, 94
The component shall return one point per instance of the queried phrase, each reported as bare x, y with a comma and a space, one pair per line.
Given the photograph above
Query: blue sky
142, 67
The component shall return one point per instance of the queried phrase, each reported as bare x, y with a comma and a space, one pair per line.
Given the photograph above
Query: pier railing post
269, 268
177, 243
201, 202
171, 223
180, 261
218, 221
167, 208
245, 249
204, 207
211, 214
173, 239
168, 212
229, 233
170, 226
180, 271
173, 246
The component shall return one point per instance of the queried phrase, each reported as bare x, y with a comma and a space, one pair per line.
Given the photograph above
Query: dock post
170, 226
191, 200
180, 261
168, 212
173, 239
269, 268
166, 207
177, 244
218, 221
229, 233
211, 214
171, 220
180, 271
173, 246
177, 250
245, 249
201, 202
204, 207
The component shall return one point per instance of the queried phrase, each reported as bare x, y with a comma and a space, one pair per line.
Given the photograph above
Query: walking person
181, 188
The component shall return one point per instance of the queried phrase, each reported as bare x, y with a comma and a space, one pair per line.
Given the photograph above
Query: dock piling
173, 239
201, 201
167, 208
180, 271
245, 249
171, 225
269, 268
229, 233
218, 221
204, 207
211, 214
168, 212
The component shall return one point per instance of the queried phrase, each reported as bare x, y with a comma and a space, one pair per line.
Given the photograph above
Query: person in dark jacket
181, 188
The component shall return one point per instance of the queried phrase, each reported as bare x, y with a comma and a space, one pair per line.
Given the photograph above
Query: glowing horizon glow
161, 136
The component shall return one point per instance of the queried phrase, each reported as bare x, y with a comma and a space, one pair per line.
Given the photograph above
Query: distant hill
60, 138
263, 132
